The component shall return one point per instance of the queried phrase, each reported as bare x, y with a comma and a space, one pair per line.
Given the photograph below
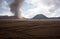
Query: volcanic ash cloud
15, 6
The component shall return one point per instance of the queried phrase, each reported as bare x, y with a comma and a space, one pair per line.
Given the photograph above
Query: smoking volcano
15, 6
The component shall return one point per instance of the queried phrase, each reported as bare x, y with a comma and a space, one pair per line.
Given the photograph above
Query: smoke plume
15, 6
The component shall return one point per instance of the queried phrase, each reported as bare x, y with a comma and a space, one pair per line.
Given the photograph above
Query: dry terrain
29, 29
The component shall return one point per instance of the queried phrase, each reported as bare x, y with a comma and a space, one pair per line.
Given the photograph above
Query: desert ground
29, 29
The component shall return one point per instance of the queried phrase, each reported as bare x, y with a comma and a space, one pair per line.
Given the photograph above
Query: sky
30, 8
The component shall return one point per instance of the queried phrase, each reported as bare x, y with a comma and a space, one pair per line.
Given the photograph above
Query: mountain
40, 16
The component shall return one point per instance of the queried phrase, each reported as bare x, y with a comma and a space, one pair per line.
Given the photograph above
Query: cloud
4, 4
8, 13
46, 7
5, 10
55, 3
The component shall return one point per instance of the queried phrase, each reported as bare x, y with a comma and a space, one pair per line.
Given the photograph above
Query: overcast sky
30, 8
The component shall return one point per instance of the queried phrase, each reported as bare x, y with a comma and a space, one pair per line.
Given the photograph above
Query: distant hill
7, 17
54, 18
11, 17
40, 16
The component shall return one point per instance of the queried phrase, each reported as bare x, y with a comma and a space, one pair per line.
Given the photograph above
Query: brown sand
25, 29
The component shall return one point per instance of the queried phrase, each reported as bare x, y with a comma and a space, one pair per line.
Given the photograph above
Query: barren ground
29, 29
